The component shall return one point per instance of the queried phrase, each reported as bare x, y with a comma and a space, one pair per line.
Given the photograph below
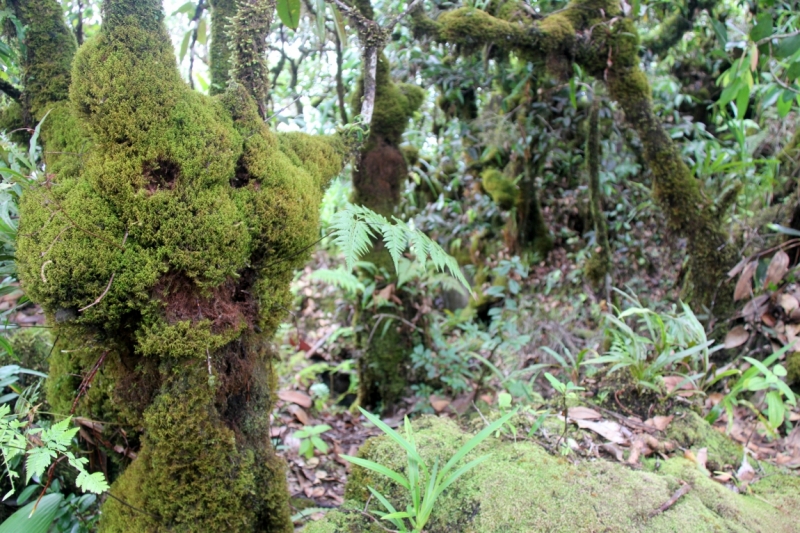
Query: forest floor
614, 432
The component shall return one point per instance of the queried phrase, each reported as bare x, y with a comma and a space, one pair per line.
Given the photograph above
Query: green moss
501, 188
793, 368
522, 488
164, 246
222, 11
49, 49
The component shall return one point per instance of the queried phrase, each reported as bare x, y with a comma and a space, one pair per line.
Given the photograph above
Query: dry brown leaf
637, 447
736, 337
768, 319
788, 303
756, 306
745, 474
583, 413
439, 404
295, 396
672, 382
702, 457
606, 428
722, 477
299, 413
659, 422
738, 268
778, 267
614, 450
744, 286
385, 294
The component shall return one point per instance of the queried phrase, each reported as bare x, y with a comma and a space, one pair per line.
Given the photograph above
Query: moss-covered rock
163, 252
522, 488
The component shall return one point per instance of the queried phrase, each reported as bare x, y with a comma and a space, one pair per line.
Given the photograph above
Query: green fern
338, 278
355, 226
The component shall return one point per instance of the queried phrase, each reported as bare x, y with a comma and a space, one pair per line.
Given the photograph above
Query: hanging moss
165, 250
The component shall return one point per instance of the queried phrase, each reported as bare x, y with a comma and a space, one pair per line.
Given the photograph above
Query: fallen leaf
768, 319
583, 413
745, 474
702, 457
385, 294
788, 303
672, 383
439, 404
738, 268
659, 422
637, 446
614, 450
736, 337
299, 413
778, 267
755, 307
608, 429
744, 285
722, 477
294, 396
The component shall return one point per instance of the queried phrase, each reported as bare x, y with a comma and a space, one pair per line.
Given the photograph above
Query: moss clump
522, 488
166, 252
502, 189
793, 368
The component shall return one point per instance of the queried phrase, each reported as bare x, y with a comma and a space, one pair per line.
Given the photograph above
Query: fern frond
355, 226
338, 278
351, 234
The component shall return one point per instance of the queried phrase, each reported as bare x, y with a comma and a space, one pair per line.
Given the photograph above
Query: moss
522, 488
501, 188
49, 49
222, 11
599, 265
793, 368
690, 431
164, 247
31, 347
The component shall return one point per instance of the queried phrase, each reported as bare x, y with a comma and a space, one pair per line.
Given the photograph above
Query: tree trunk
165, 252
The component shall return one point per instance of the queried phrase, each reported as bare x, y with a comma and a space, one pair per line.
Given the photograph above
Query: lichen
522, 488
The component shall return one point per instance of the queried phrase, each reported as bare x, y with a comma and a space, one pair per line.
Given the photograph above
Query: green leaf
289, 12
742, 100
319, 444
35, 138
38, 522
763, 27
94, 482
184, 45
375, 467
202, 31
787, 47
477, 439
721, 30
776, 410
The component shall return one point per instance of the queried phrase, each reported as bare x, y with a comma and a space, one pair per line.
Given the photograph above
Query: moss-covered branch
673, 28
248, 48
595, 35
599, 265
222, 12
47, 61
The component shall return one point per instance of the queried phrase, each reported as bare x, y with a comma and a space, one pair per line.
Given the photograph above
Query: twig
87, 381
320, 343
392, 23
281, 110
99, 298
44, 265
387, 315
779, 36
675, 497
91, 233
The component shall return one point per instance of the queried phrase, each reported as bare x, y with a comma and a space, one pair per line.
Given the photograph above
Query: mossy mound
522, 488
162, 250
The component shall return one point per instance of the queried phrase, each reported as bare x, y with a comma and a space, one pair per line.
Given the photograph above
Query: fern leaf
351, 234
395, 240
338, 278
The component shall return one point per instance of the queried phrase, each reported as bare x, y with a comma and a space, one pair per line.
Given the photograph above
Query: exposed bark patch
226, 306
161, 174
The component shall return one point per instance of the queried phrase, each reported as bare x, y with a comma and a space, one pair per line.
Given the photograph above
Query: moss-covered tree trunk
595, 35
378, 180
222, 13
163, 249
599, 267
